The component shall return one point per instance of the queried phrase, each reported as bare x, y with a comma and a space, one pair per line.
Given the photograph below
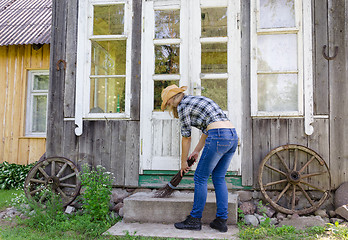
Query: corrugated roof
25, 22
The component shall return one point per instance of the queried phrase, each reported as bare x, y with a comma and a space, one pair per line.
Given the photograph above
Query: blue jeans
219, 148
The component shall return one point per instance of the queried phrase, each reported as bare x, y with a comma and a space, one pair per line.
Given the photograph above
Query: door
194, 43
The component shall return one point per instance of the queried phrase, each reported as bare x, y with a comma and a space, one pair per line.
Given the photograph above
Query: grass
53, 224
6, 196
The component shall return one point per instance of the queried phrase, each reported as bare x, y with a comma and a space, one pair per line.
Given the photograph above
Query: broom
168, 189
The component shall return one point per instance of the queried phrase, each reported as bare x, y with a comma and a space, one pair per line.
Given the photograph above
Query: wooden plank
3, 87
166, 141
132, 154
9, 107
338, 91
71, 51
319, 142
246, 141
321, 65
55, 111
261, 145
136, 60
118, 151
23, 155
157, 139
279, 136
70, 144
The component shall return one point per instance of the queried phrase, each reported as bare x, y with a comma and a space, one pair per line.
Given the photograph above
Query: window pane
39, 113
108, 57
158, 87
107, 95
215, 89
277, 92
167, 24
214, 58
277, 52
276, 14
167, 59
108, 20
41, 82
214, 22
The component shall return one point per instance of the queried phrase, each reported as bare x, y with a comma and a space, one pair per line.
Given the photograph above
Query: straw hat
169, 92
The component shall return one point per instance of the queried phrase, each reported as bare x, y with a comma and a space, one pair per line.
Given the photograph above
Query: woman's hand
194, 154
184, 168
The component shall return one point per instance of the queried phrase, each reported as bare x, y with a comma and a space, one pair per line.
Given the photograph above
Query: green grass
6, 196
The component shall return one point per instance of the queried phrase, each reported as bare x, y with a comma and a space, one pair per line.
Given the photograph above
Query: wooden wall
15, 61
113, 144
330, 137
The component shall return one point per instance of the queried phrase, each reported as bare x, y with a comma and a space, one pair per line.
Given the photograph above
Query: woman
219, 140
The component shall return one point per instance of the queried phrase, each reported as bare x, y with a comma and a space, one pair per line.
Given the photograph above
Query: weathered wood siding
15, 61
330, 137
113, 144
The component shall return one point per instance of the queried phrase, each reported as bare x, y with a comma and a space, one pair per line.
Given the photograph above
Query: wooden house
278, 69
25, 30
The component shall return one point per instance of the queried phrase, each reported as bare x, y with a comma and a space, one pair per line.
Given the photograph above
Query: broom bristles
169, 188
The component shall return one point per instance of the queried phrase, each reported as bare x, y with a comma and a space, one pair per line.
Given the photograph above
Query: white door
194, 43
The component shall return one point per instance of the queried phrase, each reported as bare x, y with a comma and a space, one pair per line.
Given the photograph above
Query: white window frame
303, 29
30, 97
83, 65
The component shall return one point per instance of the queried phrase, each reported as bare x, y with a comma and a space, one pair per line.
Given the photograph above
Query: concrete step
145, 208
168, 231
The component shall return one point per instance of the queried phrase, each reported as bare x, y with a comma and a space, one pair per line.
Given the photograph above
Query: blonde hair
173, 110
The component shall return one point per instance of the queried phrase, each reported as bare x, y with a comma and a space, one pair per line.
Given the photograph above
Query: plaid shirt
199, 112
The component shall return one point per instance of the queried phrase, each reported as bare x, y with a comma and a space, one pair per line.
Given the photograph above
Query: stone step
143, 207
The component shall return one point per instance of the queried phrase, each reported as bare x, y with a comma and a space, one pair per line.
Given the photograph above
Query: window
103, 60
280, 64
36, 116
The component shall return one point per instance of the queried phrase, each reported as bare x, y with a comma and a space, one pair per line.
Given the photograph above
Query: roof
25, 22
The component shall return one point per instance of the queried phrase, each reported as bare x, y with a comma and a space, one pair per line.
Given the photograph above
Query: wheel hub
294, 177
54, 182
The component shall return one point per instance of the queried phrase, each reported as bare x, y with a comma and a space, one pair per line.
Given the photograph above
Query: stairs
145, 215
144, 208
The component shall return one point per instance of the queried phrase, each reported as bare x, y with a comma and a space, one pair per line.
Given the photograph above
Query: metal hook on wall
326, 56
61, 61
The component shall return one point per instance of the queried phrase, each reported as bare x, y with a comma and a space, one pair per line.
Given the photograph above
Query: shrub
13, 175
97, 187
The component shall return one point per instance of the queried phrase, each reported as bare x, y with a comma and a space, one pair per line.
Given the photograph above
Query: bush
97, 187
13, 175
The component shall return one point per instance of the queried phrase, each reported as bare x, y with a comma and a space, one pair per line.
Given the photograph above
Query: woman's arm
185, 147
199, 146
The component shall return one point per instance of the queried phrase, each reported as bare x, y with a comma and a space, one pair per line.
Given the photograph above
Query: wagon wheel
56, 174
296, 171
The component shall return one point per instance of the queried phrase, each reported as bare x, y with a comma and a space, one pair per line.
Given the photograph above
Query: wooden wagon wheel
295, 171
56, 174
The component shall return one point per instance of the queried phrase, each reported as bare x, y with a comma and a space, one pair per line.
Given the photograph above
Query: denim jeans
219, 148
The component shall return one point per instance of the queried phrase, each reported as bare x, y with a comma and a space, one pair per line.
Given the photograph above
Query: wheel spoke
67, 185
43, 172
275, 169
276, 182
43, 197
295, 160
37, 181
62, 170
53, 168
306, 195
313, 174
61, 192
312, 186
283, 162
67, 176
37, 190
293, 201
307, 163
282, 193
